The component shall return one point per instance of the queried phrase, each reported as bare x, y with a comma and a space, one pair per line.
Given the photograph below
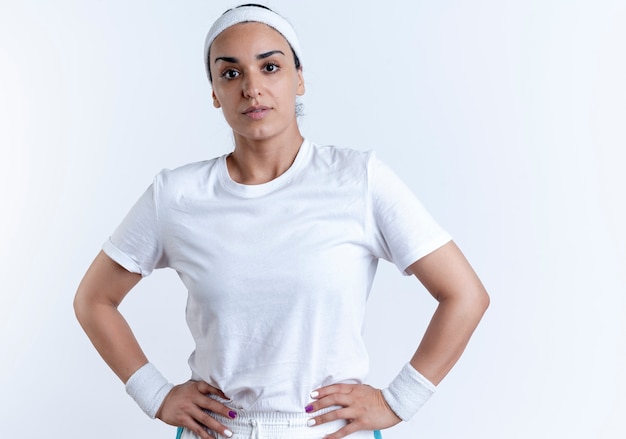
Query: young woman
277, 244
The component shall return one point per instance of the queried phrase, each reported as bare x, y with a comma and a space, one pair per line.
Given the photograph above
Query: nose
251, 86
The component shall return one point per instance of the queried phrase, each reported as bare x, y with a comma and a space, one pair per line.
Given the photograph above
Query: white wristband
408, 392
148, 388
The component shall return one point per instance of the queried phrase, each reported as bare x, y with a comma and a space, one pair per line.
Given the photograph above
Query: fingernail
309, 408
315, 394
310, 422
228, 433
232, 414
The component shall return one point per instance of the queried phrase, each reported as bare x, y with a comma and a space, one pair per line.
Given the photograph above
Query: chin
259, 132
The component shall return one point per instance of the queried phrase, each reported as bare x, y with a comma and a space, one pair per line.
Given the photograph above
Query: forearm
112, 337
447, 335
99, 294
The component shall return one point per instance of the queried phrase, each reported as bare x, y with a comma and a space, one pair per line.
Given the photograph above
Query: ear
216, 102
300, 90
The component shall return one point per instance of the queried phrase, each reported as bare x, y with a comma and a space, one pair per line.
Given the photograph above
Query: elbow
485, 302
84, 306
481, 302
89, 306
80, 307
474, 302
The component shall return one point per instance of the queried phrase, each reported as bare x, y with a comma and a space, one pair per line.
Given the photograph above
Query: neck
259, 161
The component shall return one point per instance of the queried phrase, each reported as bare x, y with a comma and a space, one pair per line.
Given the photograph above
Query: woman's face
255, 81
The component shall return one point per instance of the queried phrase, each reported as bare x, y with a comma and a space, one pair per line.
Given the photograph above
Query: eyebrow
234, 60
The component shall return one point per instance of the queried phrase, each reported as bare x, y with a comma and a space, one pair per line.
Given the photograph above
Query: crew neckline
258, 190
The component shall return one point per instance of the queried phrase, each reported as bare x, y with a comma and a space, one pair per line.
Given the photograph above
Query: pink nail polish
232, 414
309, 408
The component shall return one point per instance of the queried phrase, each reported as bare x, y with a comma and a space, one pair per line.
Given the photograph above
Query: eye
271, 67
229, 74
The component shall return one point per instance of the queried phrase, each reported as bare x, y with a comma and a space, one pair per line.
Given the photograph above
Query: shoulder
345, 160
334, 154
185, 179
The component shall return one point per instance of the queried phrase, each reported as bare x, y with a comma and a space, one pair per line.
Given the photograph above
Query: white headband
244, 14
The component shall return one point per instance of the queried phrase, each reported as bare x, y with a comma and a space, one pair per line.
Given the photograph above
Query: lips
256, 112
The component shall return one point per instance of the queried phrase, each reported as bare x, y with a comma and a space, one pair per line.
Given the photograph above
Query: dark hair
256, 5
295, 57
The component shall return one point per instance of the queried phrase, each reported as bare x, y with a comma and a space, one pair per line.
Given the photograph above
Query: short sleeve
136, 243
403, 230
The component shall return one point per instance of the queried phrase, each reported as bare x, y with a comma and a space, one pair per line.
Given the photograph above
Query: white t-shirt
278, 274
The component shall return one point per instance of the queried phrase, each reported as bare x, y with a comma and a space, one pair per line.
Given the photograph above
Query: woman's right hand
185, 404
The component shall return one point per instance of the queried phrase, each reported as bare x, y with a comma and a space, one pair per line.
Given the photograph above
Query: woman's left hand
363, 406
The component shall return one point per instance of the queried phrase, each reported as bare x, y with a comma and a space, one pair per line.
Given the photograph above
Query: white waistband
278, 425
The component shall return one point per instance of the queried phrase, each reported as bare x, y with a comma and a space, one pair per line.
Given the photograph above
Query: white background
507, 118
